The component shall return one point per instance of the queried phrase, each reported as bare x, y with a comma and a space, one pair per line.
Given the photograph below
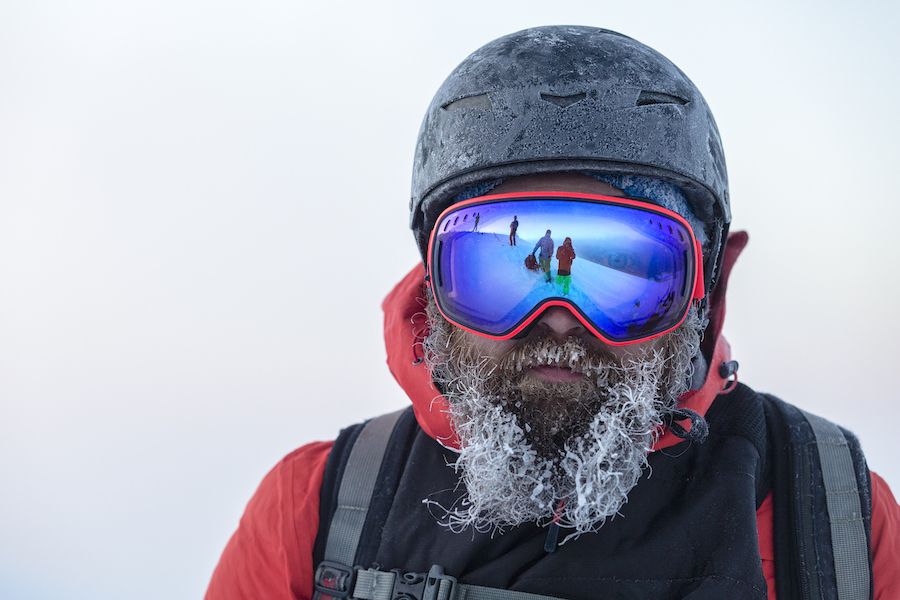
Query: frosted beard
533, 450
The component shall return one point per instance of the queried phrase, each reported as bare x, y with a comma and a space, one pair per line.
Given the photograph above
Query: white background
202, 205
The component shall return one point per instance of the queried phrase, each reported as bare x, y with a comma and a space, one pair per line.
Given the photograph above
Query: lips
555, 373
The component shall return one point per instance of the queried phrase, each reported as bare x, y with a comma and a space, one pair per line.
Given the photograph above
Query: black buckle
334, 579
418, 586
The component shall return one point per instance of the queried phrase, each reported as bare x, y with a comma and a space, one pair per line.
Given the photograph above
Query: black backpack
818, 476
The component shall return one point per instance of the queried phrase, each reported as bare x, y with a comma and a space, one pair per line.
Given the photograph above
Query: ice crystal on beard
509, 483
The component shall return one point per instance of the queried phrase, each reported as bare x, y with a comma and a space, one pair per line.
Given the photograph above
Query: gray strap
354, 496
372, 584
357, 486
848, 534
477, 592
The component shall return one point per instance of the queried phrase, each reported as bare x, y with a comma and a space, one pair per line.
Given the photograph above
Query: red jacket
270, 554
565, 254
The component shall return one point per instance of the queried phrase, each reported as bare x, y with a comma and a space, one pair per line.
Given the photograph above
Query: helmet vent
647, 98
481, 101
563, 101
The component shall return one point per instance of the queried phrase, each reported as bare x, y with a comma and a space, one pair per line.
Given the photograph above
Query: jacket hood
405, 327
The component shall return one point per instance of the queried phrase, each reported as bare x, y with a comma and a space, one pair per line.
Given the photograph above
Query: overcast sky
202, 205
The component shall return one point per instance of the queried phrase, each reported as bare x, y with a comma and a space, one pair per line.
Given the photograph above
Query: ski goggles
627, 269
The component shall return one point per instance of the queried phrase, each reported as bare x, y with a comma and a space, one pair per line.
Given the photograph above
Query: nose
561, 323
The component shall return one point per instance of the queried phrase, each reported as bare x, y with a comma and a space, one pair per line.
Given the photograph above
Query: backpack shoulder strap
822, 507
850, 524
357, 486
360, 481
361, 477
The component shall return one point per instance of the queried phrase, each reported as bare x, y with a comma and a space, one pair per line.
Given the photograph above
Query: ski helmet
566, 98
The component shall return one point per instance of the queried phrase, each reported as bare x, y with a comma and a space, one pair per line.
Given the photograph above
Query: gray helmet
561, 98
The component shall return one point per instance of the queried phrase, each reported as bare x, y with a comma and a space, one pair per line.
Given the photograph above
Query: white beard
541, 451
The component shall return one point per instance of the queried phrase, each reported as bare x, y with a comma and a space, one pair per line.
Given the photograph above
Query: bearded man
555, 424
587, 444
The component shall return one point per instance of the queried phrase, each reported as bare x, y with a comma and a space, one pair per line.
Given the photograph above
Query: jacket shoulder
885, 540
270, 553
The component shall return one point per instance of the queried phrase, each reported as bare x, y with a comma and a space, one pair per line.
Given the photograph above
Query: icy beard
536, 450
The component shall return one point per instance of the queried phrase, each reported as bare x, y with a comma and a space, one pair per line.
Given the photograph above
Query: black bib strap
822, 507
334, 576
848, 533
357, 487
336, 579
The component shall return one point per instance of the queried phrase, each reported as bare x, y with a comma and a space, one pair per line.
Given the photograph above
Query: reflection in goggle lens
627, 269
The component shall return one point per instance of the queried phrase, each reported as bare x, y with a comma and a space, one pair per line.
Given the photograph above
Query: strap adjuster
334, 579
439, 586
418, 586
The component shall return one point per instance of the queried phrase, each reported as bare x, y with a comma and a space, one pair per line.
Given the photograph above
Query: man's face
557, 424
556, 321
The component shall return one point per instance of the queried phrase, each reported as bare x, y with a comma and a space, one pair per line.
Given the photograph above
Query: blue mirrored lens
626, 269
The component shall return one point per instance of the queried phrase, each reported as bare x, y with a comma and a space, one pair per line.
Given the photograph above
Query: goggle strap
699, 283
